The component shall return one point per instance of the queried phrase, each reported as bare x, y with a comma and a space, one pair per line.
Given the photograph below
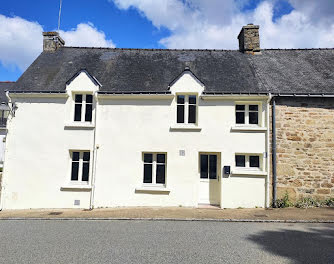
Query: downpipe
274, 152
95, 149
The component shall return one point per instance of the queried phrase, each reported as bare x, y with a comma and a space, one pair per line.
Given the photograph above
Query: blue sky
158, 24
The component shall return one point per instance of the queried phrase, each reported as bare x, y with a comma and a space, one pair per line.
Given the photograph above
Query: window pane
240, 107
148, 158
254, 161
88, 115
85, 171
180, 114
89, 98
147, 173
240, 161
253, 118
86, 156
75, 171
213, 166
204, 166
240, 117
192, 99
253, 108
77, 112
161, 158
180, 99
78, 98
192, 114
75, 156
160, 174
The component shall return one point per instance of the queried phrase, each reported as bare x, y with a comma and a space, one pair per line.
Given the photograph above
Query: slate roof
142, 70
5, 86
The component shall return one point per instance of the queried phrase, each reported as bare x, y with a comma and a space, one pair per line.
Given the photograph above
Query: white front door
209, 187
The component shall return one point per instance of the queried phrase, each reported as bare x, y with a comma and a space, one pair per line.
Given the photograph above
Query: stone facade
249, 39
52, 41
305, 147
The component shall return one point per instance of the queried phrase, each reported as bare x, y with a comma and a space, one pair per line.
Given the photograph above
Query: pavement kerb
169, 219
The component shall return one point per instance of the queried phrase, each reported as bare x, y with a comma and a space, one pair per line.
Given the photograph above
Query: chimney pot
52, 41
249, 39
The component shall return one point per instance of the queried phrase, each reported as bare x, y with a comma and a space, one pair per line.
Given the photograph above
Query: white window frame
247, 163
186, 107
247, 104
81, 162
83, 107
154, 169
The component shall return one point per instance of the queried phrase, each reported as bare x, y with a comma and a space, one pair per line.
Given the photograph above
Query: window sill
248, 129
79, 125
152, 189
83, 188
249, 173
189, 127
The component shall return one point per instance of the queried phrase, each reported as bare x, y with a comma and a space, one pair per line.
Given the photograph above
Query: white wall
37, 151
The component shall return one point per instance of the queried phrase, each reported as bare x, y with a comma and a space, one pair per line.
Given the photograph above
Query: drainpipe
95, 148
268, 150
274, 150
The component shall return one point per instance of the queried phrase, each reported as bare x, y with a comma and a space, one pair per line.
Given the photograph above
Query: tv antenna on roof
59, 14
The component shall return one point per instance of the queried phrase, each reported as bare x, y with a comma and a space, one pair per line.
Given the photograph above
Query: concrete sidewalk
178, 213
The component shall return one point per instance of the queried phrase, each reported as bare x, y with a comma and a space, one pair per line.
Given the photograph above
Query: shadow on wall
316, 245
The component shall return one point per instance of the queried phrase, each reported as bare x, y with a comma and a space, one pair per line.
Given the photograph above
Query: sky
180, 24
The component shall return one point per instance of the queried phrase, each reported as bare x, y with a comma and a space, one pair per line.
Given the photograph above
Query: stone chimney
52, 41
249, 39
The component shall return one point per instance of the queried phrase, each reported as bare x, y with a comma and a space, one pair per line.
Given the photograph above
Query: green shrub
329, 202
284, 202
308, 202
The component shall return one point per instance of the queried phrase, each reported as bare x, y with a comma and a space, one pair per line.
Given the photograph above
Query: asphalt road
164, 242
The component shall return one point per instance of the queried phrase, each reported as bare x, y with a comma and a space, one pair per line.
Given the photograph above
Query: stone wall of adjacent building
305, 147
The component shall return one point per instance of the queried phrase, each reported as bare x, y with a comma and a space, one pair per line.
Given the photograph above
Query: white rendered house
100, 127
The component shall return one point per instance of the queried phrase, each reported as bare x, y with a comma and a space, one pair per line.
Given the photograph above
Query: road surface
51, 241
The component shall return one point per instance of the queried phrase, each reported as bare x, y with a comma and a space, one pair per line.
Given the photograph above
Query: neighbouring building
105, 127
4, 110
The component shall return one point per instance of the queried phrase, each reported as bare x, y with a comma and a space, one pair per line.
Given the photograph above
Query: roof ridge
7, 82
300, 49
139, 49
222, 50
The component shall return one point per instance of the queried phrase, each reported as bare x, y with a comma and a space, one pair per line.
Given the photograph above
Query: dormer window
83, 108
186, 109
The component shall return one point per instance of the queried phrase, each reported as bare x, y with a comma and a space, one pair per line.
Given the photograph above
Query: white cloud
216, 23
86, 35
21, 40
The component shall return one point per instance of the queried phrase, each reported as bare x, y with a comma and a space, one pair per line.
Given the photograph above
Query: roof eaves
134, 92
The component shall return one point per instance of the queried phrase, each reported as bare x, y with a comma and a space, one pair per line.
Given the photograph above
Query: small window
154, 168
80, 166
247, 161
247, 114
254, 161
180, 108
240, 114
208, 166
83, 109
240, 160
253, 114
186, 109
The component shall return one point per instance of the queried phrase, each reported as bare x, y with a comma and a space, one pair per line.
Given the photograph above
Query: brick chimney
249, 39
52, 41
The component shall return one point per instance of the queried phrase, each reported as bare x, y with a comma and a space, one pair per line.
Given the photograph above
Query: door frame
219, 175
